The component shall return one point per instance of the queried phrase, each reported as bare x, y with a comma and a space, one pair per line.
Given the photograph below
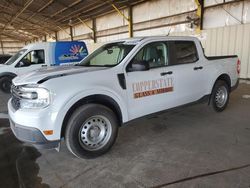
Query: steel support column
130, 21
71, 33
71, 36
129, 18
1, 45
93, 28
200, 14
56, 38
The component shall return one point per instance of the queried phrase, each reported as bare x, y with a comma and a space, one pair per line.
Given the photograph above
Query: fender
9, 74
61, 116
223, 76
215, 72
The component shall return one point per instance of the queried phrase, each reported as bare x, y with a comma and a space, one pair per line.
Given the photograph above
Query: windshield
15, 57
108, 55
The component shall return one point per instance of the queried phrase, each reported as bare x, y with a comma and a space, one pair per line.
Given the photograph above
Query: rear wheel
220, 96
5, 84
91, 131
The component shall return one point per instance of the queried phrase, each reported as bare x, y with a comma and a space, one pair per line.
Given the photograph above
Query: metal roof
28, 19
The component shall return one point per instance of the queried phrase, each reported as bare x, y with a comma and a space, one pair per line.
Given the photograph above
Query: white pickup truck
119, 82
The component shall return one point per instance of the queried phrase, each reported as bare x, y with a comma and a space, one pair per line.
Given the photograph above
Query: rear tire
91, 131
5, 84
220, 96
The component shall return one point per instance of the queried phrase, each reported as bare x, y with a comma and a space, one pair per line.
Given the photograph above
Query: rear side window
185, 52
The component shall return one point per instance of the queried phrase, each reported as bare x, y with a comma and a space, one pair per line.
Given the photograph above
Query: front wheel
220, 96
91, 131
5, 84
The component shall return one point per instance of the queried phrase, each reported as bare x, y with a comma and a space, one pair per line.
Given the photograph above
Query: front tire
91, 131
5, 84
220, 96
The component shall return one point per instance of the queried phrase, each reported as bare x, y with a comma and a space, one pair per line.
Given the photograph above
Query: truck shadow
4, 97
18, 167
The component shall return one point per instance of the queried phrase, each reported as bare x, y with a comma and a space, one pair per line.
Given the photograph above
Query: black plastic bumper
32, 136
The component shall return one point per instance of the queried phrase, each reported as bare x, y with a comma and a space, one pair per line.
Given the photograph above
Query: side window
185, 52
32, 58
153, 55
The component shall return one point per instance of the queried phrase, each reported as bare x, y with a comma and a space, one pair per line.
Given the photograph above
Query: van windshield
15, 57
108, 55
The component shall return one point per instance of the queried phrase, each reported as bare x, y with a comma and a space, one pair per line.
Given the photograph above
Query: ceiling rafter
76, 13
37, 18
16, 37
17, 14
32, 24
41, 19
66, 7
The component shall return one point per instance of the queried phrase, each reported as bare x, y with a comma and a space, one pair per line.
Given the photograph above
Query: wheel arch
97, 99
224, 77
8, 74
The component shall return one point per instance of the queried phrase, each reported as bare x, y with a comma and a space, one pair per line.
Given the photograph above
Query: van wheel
91, 131
5, 84
220, 96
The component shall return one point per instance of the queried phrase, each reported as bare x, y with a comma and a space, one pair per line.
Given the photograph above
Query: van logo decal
152, 87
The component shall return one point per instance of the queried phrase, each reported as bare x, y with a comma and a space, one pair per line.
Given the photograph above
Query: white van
38, 55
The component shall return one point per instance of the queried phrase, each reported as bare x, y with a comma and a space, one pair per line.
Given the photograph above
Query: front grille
15, 100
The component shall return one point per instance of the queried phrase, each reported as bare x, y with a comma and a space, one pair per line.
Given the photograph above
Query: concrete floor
189, 147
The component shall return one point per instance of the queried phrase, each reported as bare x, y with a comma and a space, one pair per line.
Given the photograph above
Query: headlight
33, 97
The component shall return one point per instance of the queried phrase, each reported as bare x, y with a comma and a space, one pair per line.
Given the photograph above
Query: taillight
238, 66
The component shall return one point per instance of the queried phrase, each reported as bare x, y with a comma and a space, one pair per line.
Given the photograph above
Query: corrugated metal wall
229, 41
10, 47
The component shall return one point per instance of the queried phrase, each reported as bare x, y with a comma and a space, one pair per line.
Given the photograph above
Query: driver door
151, 90
31, 61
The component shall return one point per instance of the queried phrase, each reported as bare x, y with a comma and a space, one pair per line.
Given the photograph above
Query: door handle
197, 68
44, 65
165, 73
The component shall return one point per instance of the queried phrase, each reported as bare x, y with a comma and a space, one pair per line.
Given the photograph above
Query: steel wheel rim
221, 96
95, 133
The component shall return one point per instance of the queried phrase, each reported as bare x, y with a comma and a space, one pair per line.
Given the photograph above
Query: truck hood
44, 74
3, 65
4, 68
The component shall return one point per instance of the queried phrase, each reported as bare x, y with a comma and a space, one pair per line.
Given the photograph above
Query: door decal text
152, 87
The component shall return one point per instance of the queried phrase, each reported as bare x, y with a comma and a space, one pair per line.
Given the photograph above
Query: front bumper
28, 126
32, 136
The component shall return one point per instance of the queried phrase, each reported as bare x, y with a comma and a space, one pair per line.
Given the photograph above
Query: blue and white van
38, 55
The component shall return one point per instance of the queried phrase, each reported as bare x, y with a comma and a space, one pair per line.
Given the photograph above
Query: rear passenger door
187, 70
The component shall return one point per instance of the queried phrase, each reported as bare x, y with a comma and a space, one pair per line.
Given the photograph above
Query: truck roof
135, 40
44, 44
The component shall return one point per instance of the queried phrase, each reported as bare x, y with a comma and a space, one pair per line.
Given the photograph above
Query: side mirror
23, 63
138, 66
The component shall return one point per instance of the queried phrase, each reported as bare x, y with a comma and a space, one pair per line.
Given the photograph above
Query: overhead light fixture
70, 22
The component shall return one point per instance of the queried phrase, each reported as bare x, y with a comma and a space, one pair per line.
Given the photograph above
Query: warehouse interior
192, 147
97, 22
